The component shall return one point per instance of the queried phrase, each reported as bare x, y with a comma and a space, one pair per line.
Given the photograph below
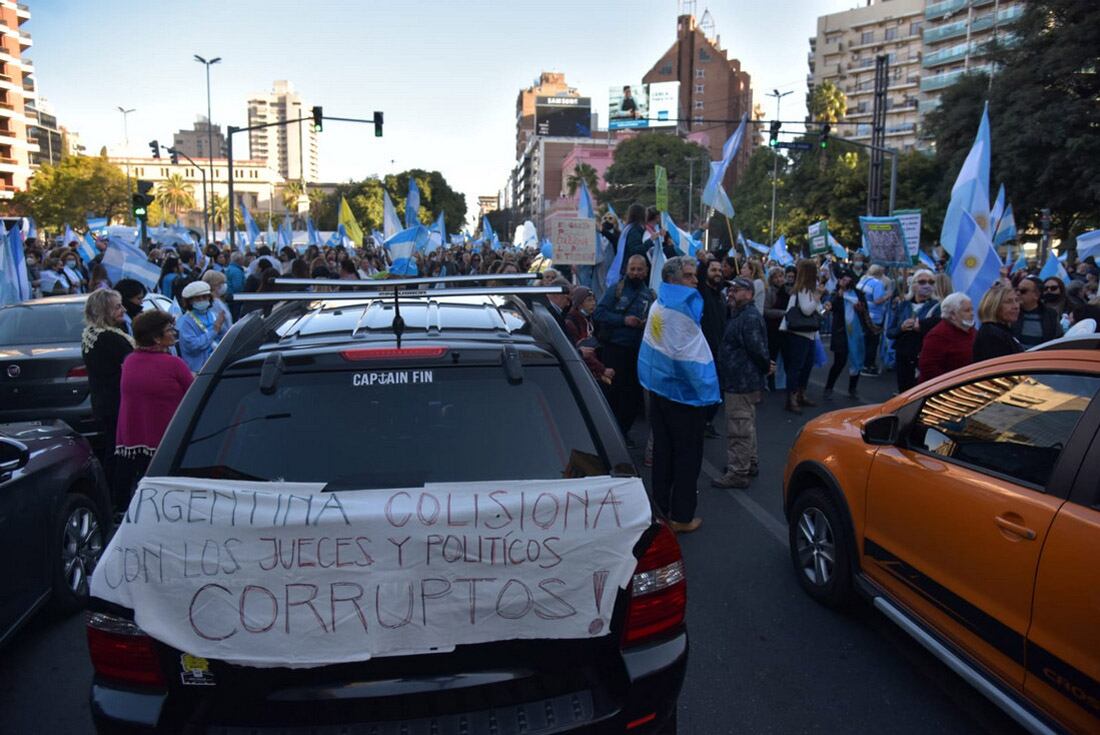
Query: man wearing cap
200, 330
744, 366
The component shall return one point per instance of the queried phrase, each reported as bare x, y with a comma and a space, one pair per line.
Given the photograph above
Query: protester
1054, 295
875, 289
99, 279
775, 302
677, 368
1037, 323
950, 344
132, 293
909, 325
199, 328
998, 311
234, 273
849, 320
153, 384
744, 364
753, 271
579, 329
103, 347
711, 285
634, 234
799, 329
55, 281
218, 290
620, 319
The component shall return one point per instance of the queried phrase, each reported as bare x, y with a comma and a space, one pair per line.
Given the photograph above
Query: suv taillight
658, 591
121, 652
79, 371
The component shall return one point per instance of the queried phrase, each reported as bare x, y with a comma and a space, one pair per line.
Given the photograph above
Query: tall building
290, 149
844, 52
202, 138
549, 84
714, 91
956, 37
17, 100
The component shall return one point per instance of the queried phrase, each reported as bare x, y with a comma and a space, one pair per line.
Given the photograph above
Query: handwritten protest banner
281, 574
885, 240
574, 240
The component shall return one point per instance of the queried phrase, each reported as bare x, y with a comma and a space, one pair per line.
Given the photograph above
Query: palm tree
583, 172
174, 194
221, 212
291, 192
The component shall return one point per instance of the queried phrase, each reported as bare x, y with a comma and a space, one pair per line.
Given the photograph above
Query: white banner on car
281, 574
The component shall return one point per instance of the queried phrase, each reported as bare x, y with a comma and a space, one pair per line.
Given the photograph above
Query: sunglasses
1052, 289
926, 283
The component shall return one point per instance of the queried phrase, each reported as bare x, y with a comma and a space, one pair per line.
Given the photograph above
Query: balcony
932, 11
22, 12
946, 79
944, 32
949, 55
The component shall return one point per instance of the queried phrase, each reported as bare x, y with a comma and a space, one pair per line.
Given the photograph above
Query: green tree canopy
78, 186
630, 178
365, 199
827, 103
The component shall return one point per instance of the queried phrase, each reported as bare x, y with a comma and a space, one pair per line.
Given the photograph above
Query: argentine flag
681, 240
713, 193
975, 266
970, 193
927, 261
1053, 268
125, 260
1088, 243
403, 247
251, 229
779, 253
839, 250
758, 247
437, 235
1020, 263
675, 361
87, 248
391, 225
1006, 227
585, 210
412, 204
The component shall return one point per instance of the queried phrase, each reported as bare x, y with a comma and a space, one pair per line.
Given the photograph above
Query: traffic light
318, 116
825, 134
142, 199
154, 146
377, 124
774, 141
175, 156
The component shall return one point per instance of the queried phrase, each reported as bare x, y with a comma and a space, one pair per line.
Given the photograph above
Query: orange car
968, 511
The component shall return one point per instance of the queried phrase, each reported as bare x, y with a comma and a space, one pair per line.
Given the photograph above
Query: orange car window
1015, 425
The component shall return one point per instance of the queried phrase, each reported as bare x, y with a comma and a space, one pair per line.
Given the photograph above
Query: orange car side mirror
881, 430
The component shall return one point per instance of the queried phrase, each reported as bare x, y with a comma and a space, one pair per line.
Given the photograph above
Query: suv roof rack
400, 293
387, 284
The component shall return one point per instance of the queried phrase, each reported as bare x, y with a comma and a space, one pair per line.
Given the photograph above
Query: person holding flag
850, 317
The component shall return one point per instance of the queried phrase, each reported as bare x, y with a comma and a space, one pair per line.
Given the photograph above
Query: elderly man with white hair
950, 344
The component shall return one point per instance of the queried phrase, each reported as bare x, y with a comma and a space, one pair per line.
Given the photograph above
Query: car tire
820, 548
78, 538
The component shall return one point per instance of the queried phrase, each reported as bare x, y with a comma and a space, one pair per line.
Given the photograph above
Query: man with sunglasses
911, 321
1037, 323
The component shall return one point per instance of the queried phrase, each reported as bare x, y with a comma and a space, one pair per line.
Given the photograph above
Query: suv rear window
394, 428
41, 323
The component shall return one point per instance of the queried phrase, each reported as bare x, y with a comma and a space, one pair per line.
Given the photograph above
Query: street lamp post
775, 167
209, 142
126, 142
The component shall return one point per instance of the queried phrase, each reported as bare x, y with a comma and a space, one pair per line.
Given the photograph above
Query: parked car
968, 511
54, 520
499, 370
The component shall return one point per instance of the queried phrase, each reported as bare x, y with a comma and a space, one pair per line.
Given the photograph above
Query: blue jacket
617, 304
234, 278
743, 361
197, 337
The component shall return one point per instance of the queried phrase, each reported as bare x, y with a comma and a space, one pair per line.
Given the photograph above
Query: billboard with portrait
569, 117
643, 105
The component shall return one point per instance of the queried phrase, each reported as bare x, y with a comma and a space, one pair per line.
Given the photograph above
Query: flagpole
729, 229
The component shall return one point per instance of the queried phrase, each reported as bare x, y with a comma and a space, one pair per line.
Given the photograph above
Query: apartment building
18, 114
291, 149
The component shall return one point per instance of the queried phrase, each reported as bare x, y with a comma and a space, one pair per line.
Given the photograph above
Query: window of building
891, 33
863, 107
697, 118
867, 37
1014, 425
699, 89
914, 27
164, 173
704, 57
700, 73
140, 171
699, 104
666, 69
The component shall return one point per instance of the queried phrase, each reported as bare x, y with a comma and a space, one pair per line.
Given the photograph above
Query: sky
445, 72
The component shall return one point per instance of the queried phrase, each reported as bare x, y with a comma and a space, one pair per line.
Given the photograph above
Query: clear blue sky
446, 72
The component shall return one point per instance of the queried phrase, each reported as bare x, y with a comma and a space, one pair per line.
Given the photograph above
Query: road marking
766, 519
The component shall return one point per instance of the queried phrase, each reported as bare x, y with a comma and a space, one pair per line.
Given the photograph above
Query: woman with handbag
799, 331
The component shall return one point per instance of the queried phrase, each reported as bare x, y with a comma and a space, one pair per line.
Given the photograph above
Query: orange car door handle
1015, 528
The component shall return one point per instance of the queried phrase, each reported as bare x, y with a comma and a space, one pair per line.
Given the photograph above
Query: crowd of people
766, 326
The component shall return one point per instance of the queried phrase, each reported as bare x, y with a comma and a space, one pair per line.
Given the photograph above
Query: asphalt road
764, 658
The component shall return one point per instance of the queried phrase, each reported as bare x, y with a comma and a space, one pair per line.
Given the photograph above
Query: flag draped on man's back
675, 361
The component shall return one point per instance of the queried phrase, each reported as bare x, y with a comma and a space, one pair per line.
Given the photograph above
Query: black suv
510, 399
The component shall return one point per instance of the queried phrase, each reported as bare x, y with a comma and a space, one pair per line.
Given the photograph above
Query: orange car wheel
820, 548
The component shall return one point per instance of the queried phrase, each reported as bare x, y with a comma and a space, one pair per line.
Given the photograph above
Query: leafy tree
291, 191
583, 172
365, 199
175, 194
78, 186
630, 178
1043, 115
827, 103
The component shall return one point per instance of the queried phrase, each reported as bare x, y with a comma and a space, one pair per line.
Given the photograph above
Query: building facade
538, 181
844, 52
200, 140
290, 149
957, 34
549, 84
18, 112
714, 91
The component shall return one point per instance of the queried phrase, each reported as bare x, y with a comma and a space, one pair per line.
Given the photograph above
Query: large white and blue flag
312, 237
1006, 227
1020, 264
403, 247
437, 234
487, 229
975, 265
412, 204
998, 209
31, 228
86, 247
584, 202
96, 224
1053, 268
391, 225
779, 253
713, 193
124, 260
854, 329
15, 284
681, 240
675, 361
758, 246
926, 259
970, 194
69, 237
251, 229
1088, 244
839, 251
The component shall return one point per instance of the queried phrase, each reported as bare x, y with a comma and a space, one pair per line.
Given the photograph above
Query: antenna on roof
706, 24
687, 7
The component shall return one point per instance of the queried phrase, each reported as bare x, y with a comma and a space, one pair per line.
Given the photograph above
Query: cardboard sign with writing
818, 237
910, 226
574, 240
885, 240
282, 574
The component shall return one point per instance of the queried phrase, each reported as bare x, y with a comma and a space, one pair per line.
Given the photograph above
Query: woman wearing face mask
132, 293
33, 274
153, 384
199, 328
75, 271
218, 289
909, 325
55, 282
1054, 295
950, 344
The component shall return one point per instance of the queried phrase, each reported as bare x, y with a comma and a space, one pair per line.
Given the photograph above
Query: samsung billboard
643, 105
569, 117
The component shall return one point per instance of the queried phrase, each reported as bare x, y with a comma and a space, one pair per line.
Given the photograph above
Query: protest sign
574, 240
660, 176
818, 237
910, 226
282, 574
885, 241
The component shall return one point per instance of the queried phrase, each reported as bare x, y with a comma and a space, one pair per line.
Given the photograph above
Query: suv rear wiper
213, 434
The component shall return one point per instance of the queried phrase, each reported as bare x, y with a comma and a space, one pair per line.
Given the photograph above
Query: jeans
677, 455
798, 360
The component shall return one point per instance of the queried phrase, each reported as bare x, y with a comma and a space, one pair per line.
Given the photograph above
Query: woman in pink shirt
153, 384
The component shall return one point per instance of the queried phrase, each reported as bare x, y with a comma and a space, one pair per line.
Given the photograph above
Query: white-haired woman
950, 344
103, 346
911, 320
